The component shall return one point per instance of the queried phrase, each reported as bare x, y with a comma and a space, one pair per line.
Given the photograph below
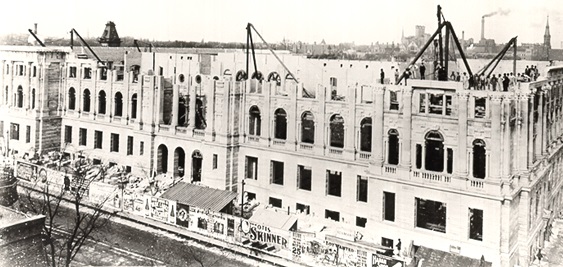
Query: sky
357, 21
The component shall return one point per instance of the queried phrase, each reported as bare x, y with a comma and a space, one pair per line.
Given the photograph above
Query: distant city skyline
357, 21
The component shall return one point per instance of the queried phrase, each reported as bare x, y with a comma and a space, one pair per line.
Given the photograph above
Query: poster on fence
183, 215
26, 171
171, 211
102, 193
159, 209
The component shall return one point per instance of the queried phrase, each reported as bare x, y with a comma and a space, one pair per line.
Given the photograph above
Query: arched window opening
162, 159
86, 100
200, 122
134, 106
337, 131
289, 77
365, 135
393, 144
179, 162
118, 107
197, 160
102, 102
434, 160
258, 76
254, 121
227, 72
19, 97
33, 98
280, 122
183, 111
308, 128
479, 159
274, 76
71, 99
241, 75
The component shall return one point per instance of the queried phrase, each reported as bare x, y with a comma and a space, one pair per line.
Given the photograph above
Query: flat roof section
199, 196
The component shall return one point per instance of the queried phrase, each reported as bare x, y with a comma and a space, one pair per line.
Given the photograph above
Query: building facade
432, 163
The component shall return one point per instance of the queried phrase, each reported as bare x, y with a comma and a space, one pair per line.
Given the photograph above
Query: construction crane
250, 46
496, 60
72, 32
36, 37
443, 48
136, 42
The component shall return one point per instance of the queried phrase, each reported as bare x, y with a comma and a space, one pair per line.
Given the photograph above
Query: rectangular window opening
277, 172
430, 215
215, 159
334, 183
304, 175
114, 146
361, 222
389, 206
98, 139
28, 134
68, 134
333, 215
305, 209
436, 104
251, 168
476, 224
14, 131
480, 107
275, 202
129, 145
82, 136
362, 189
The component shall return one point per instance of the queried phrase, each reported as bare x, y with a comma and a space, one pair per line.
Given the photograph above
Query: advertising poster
159, 209
272, 240
171, 212
26, 171
183, 215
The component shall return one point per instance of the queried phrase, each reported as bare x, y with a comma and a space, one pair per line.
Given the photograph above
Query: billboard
183, 215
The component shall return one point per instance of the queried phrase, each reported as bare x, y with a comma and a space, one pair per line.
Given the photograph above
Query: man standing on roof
422, 70
396, 75
382, 76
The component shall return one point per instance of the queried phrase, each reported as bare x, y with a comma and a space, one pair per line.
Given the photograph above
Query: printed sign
261, 233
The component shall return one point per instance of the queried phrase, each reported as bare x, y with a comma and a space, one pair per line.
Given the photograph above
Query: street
553, 250
127, 243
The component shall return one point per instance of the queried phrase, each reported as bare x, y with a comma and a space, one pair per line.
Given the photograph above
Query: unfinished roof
199, 196
279, 220
439, 258
110, 36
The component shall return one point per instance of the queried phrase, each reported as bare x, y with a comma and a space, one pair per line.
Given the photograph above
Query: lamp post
242, 198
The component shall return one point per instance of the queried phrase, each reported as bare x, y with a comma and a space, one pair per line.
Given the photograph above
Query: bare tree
67, 201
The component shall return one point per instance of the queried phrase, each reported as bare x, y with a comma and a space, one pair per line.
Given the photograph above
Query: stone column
506, 142
461, 159
523, 221
540, 138
320, 120
407, 129
350, 124
377, 134
505, 232
523, 123
192, 101
175, 97
495, 139
530, 116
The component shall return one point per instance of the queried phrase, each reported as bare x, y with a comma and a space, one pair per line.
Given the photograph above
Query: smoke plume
500, 11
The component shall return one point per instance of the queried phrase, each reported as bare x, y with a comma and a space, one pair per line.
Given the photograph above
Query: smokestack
35, 31
483, 28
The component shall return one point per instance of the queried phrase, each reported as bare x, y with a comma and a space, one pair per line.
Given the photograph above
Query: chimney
35, 31
483, 28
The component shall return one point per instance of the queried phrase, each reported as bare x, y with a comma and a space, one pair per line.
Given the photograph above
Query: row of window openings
98, 140
18, 97
15, 131
20, 70
435, 157
179, 159
103, 74
429, 214
118, 102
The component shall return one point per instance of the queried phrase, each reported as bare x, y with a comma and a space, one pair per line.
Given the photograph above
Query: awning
199, 196
274, 219
438, 258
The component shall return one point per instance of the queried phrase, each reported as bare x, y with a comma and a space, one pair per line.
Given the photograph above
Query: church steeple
547, 36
